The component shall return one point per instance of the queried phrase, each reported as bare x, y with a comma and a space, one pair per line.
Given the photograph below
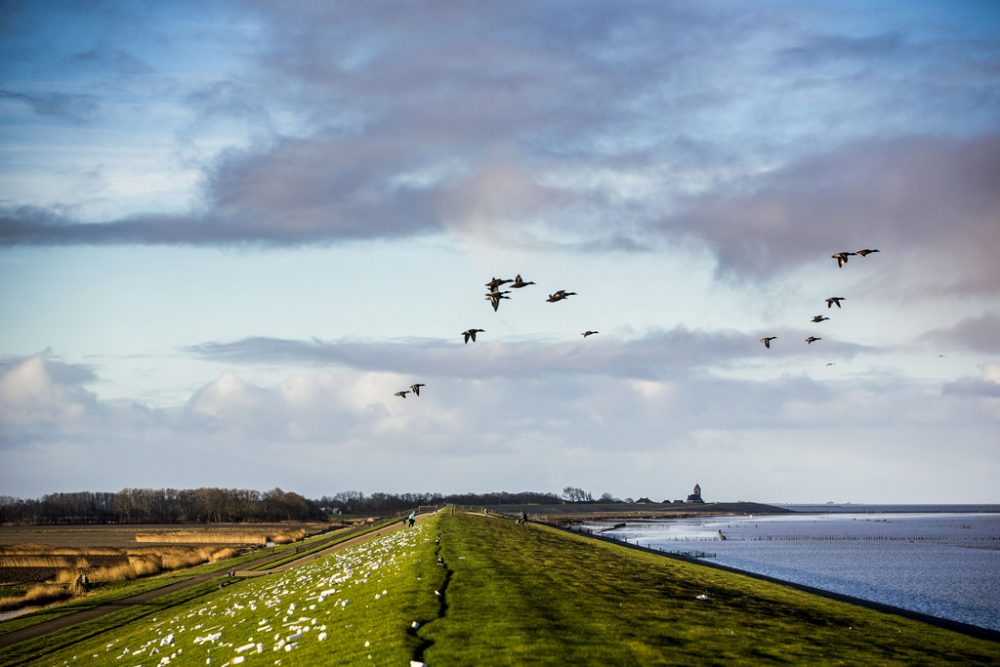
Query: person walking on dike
412, 518
524, 517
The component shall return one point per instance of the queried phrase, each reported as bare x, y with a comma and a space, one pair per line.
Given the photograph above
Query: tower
696, 496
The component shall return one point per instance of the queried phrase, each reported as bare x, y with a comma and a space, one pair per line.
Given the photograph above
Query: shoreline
967, 629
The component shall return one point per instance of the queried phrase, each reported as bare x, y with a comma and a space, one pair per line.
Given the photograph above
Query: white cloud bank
333, 429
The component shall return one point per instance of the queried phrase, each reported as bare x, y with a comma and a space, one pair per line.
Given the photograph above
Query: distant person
524, 517
412, 518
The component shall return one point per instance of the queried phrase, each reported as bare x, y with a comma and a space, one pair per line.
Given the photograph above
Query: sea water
945, 564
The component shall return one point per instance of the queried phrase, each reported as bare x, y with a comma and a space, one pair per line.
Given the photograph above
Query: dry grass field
43, 563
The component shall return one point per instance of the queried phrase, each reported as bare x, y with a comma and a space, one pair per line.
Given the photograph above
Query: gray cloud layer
594, 129
656, 355
976, 334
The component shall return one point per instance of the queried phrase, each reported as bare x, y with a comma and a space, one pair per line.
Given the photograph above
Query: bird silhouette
495, 283
835, 300
401, 394
471, 334
864, 252
589, 333
767, 341
494, 298
812, 339
519, 282
415, 388
820, 318
559, 296
842, 256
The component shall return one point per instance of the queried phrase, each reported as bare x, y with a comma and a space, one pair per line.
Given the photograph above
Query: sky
231, 231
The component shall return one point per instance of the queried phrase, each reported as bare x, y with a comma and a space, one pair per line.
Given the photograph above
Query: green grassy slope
533, 595
488, 592
337, 610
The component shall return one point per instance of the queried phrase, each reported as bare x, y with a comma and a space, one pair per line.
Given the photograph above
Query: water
945, 564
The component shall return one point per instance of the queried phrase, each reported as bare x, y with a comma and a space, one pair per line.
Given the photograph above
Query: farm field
469, 589
105, 535
40, 564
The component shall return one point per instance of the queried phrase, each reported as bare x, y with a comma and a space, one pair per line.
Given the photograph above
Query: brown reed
221, 537
37, 594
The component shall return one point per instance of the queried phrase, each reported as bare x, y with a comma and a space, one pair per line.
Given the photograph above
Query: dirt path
69, 620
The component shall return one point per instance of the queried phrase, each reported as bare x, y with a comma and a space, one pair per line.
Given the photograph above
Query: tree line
213, 505
355, 502
206, 505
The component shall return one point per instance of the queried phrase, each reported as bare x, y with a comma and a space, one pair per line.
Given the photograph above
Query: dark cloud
556, 125
118, 62
823, 48
976, 334
928, 200
975, 387
68, 106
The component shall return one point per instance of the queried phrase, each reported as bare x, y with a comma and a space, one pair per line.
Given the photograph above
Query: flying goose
559, 296
415, 388
494, 298
767, 341
588, 332
401, 394
820, 318
812, 339
495, 283
864, 252
835, 300
519, 282
471, 333
842, 256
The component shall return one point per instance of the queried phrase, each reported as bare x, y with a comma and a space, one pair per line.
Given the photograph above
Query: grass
108, 592
337, 610
38, 650
113, 591
511, 595
534, 595
307, 549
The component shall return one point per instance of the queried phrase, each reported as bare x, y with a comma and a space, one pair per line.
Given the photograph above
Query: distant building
696, 496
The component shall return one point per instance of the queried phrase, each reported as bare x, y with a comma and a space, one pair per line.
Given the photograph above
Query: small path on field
69, 620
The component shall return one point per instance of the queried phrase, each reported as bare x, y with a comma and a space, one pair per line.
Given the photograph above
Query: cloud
654, 355
119, 62
68, 106
976, 334
985, 386
928, 201
322, 430
39, 393
822, 48
972, 387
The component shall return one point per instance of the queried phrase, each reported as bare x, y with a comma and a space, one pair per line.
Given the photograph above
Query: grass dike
536, 595
485, 591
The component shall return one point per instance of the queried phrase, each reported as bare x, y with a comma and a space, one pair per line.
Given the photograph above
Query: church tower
696, 496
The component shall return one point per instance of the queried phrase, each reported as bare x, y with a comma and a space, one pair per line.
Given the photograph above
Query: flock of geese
495, 295
841, 258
